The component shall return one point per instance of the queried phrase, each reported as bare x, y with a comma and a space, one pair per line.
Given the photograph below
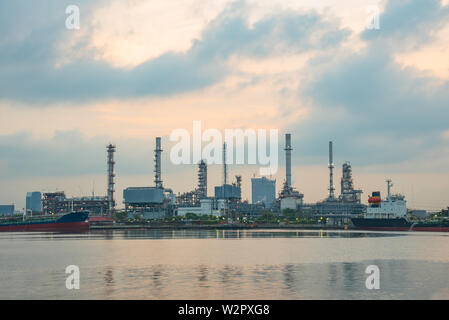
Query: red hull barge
74, 221
385, 229
419, 229
47, 227
431, 229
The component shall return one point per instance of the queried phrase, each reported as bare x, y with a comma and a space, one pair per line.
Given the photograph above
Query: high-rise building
6, 209
228, 191
232, 191
34, 202
263, 190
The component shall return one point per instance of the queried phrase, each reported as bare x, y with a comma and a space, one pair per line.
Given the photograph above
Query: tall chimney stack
225, 169
331, 172
157, 164
288, 159
111, 202
202, 179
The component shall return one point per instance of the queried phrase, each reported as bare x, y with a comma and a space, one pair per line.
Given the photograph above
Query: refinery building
157, 201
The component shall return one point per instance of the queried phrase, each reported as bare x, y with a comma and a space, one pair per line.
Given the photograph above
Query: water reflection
289, 279
197, 234
109, 281
262, 264
240, 234
156, 277
202, 274
293, 281
332, 274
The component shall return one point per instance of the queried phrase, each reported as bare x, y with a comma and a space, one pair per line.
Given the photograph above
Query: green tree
120, 216
267, 216
289, 214
191, 216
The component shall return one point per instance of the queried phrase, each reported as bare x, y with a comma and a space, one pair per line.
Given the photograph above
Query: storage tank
143, 195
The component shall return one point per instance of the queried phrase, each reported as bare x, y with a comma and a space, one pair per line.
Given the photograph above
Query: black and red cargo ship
401, 224
74, 221
390, 215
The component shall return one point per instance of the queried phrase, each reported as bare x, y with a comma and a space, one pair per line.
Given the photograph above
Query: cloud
376, 110
64, 154
31, 72
71, 153
408, 23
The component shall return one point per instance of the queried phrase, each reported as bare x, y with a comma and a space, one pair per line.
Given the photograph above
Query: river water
211, 264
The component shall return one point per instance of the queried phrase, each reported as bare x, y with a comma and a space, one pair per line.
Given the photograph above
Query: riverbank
220, 227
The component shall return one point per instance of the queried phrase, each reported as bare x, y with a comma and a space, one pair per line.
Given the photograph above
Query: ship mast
389, 185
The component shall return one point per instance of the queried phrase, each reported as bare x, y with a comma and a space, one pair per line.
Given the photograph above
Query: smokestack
331, 172
389, 185
288, 159
202, 179
157, 164
225, 169
111, 202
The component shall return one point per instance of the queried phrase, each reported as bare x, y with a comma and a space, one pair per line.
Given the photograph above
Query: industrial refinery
158, 201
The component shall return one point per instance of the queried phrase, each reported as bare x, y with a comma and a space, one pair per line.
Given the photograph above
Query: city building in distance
6, 209
263, 190
34, 202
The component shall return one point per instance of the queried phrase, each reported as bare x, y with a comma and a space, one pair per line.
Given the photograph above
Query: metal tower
347, 185
202, 179
225, 180
348, 193
157, 164
225, 169
331, 172
288, 159
111, 202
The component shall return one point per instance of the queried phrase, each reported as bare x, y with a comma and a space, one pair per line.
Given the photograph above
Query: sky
139, 69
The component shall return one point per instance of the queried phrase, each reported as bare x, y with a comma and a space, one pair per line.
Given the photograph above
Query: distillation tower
157, 164
111, 202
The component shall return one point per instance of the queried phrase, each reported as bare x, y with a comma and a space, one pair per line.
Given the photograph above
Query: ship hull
431, 229
400, 224
75, 221
69, 226
442, 226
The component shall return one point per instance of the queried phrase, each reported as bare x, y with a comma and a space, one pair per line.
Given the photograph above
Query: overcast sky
140, 69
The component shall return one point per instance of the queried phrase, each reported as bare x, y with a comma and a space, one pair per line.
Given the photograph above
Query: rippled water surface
210, 264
